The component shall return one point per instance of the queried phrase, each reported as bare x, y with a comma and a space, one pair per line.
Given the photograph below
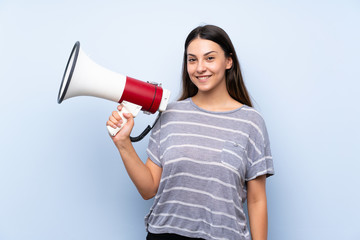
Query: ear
229, 62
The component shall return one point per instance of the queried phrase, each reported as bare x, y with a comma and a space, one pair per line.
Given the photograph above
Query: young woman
208, 153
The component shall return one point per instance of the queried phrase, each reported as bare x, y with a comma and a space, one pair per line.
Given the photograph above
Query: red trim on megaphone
141, 93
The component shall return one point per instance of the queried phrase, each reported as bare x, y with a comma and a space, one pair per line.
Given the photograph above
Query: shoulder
257, 126
252, 114
181, 104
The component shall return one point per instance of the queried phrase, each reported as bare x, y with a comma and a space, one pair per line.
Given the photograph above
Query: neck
216, 102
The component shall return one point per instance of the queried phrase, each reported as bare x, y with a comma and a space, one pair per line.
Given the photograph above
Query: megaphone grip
128, 107
113, 131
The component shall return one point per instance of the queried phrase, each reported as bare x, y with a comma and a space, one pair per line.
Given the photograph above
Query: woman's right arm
146, 177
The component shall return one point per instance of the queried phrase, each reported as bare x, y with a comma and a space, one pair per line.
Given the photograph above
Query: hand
115, 121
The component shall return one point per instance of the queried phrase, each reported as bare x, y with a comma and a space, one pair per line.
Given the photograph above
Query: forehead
200, 46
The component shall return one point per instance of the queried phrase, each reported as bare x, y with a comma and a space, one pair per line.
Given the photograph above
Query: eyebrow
189, 54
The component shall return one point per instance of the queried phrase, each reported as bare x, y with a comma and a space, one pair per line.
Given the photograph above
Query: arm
146, 177
257, 208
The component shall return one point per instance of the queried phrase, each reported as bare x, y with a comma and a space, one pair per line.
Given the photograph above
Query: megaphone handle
113, 131
128, 107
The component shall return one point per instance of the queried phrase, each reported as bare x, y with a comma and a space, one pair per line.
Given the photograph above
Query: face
206, 65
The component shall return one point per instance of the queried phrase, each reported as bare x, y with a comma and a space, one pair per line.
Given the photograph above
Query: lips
203, 78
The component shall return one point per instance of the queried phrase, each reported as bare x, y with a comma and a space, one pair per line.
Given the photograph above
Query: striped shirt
206, 158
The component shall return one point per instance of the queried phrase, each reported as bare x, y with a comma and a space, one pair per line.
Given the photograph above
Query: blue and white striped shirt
206, 158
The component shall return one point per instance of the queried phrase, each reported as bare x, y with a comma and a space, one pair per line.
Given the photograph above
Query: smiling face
206, 65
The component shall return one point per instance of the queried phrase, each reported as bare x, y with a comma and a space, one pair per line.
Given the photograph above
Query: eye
191, 60
210, 58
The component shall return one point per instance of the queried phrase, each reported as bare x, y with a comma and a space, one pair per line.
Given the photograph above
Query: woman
208, 153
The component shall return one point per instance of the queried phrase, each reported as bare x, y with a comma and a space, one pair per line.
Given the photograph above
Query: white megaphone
83, 77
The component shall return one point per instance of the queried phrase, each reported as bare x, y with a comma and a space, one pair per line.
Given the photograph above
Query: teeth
203, 78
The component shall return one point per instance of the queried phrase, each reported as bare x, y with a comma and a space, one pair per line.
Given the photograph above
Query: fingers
112, 122
115, 120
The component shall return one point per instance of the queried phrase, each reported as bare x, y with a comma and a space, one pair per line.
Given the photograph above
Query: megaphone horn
83, 77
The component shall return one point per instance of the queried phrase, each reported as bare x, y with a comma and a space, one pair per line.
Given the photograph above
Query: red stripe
141, 93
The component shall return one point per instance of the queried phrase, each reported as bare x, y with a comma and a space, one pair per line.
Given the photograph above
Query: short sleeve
260, 161
153, 149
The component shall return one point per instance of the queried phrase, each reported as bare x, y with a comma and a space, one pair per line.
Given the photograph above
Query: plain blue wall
62, 178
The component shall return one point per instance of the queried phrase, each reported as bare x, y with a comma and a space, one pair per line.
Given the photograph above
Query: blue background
61, 176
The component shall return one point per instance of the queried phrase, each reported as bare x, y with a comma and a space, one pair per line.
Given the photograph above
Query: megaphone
83, 77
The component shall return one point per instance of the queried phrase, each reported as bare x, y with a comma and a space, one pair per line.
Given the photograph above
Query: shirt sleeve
153, 149
260, 161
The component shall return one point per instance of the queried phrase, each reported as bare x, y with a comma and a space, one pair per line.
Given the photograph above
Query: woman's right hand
123, 136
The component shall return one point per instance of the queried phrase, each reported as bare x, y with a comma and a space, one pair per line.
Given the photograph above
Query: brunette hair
234, 81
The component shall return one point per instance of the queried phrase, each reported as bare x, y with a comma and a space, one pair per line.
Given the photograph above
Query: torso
205, 157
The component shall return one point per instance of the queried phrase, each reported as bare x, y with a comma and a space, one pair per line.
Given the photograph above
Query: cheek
190, 69
219, 68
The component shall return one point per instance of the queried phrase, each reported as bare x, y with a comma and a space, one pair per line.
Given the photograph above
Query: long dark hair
234, 80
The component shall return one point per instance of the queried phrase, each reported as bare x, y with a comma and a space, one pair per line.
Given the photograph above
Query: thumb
130, 122
128, 116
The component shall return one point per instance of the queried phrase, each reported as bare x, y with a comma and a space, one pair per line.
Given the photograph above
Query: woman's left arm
257, 207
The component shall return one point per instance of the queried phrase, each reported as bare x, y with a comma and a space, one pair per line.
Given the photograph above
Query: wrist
123, 144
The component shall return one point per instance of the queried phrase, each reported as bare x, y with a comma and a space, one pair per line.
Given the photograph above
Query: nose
201, 67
